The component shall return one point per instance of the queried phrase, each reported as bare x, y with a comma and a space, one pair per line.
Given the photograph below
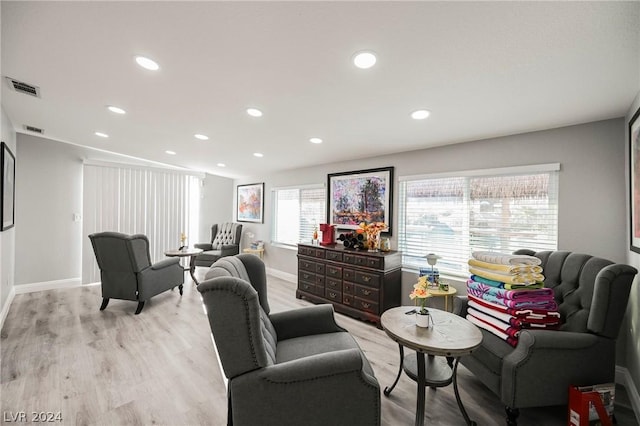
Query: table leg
467, 420
421, 386
387, 390
192, 269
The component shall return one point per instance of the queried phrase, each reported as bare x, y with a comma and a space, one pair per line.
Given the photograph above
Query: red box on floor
591, 405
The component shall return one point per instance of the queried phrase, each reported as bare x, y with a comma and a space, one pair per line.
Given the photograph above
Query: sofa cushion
300, 347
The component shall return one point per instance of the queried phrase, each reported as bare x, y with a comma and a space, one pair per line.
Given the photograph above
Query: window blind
453, 216
159, 204
298, 210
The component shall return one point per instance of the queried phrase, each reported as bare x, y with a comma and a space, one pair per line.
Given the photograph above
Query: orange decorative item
372, 231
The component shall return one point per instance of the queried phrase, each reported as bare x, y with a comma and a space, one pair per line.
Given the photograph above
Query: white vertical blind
297, 210
159, 204
453, 216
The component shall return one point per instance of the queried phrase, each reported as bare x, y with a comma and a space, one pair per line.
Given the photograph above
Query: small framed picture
250, 200
7, 188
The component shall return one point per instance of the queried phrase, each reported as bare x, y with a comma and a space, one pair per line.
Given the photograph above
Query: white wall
216, 205
49, 193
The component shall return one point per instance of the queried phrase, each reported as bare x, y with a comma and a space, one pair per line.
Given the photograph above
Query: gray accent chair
225, 241
296, 367
592, 295
126, 271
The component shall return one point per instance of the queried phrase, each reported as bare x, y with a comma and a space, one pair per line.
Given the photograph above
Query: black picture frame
634, 182
349, 191
250, 203
7, 188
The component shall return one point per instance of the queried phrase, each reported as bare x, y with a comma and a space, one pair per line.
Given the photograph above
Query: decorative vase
373, 241
423, 320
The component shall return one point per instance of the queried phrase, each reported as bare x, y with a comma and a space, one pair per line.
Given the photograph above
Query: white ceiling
483, 69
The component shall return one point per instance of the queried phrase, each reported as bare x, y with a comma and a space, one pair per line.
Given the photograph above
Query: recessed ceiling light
257, 154
254, 112
364, 60
201, 137
221, 165
102, 135
420, 114
147, 63
315, 140
170, 152
116, 109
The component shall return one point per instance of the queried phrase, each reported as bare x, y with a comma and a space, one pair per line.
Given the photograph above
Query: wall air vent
22, 87
33, 129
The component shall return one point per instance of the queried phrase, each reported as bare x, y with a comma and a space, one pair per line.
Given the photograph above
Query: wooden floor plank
59, 353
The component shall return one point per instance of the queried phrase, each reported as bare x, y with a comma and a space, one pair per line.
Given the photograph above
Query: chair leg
140, 306
512, 416
105, 302
180, 288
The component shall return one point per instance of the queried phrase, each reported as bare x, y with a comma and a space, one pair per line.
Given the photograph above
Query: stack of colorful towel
506, 294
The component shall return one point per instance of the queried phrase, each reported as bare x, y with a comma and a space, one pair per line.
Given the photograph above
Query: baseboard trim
624, 378
48, 285
282, 275
7, 305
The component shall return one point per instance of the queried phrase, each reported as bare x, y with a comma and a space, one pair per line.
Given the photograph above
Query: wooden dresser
357, 283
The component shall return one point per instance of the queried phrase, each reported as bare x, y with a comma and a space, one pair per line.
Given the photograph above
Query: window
498, 210
298, 210
158, 203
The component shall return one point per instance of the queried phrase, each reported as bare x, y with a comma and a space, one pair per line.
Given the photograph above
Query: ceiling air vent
33, 129
22, 87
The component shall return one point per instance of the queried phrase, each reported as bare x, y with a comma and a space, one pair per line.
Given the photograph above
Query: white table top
451, 335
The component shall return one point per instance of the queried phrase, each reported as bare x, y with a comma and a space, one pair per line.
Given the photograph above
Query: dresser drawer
320, 268
347, 288
366, 278
365, 305
334, 255
369, 293
374, 262
347, 299
319, 253
334, 271
306, 286
333, 295
306, 251
333, 284
348, 274
309, 277
307, 265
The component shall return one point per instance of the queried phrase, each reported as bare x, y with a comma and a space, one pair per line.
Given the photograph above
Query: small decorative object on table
444, 286
420, 295
183, 240
372, 232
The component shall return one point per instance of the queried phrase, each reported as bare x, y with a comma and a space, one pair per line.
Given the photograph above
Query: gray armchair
126, 271
276, 362
225, 241
592, 295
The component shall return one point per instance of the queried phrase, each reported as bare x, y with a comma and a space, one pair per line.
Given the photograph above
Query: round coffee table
186, 252
450, 336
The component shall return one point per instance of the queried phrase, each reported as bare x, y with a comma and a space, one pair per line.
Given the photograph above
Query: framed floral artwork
634, 180
360, 196
250, 203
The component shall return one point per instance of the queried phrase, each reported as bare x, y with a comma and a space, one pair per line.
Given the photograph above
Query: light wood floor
60, 354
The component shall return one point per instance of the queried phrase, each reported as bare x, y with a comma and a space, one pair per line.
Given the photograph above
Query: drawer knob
366, 279
366, 292
366, 305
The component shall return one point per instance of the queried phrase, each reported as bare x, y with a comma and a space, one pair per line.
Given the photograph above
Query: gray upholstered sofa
225, 241
592, 295
296, 367
126, 271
